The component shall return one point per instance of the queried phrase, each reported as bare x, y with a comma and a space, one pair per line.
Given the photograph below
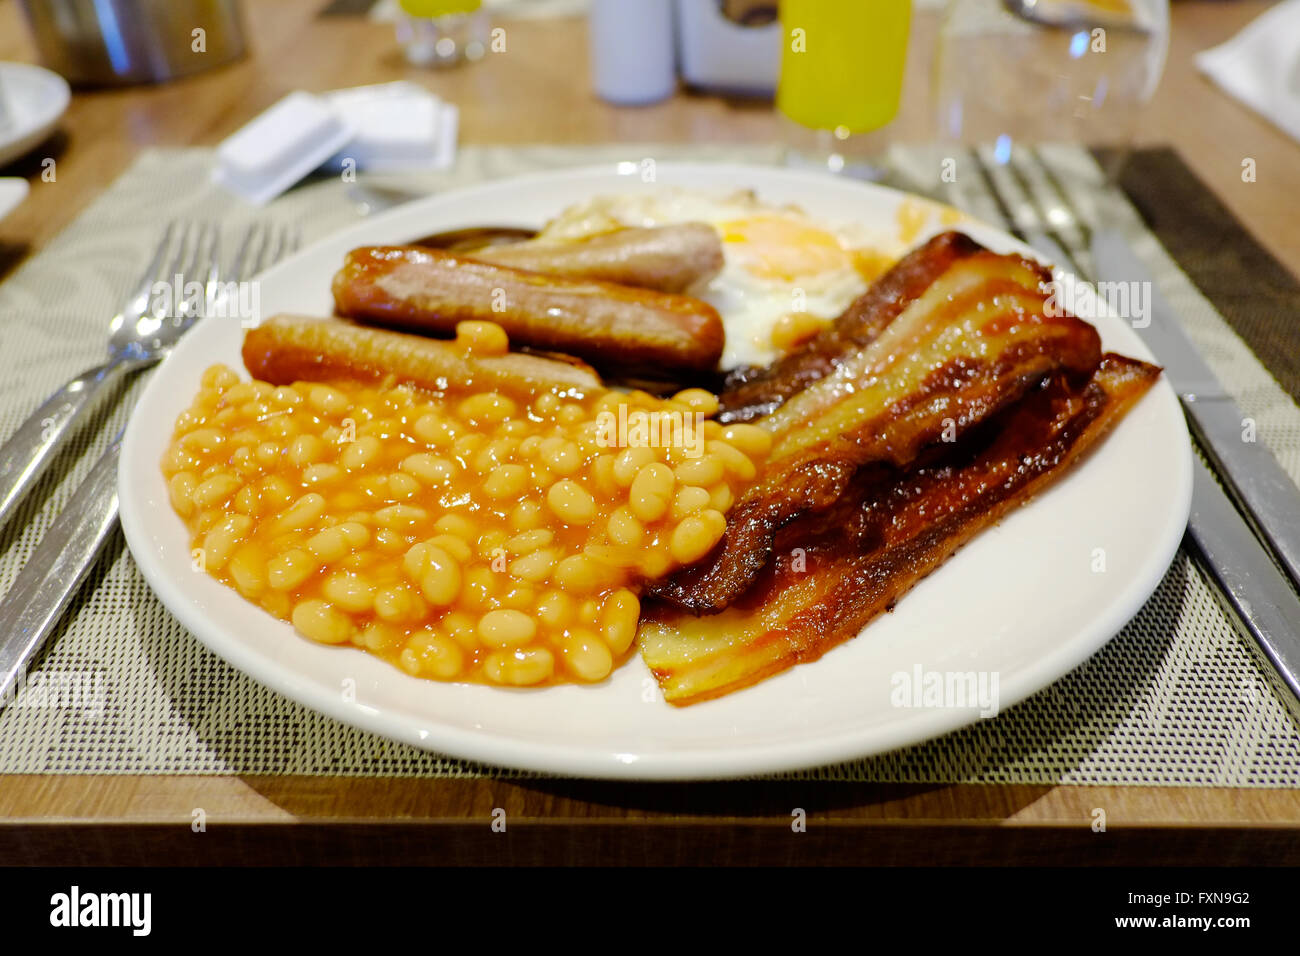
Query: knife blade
49, 579
1254, 591
1266, 493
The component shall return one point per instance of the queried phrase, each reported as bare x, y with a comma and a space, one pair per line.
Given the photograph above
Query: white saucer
34, 100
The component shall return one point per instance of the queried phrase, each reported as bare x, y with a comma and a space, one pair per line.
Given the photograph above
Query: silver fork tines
45, 586
1025, 216
261, 245
171, 296
138, 302
137, 338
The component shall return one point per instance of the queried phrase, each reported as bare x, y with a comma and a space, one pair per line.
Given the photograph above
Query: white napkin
1260, 66
13, 190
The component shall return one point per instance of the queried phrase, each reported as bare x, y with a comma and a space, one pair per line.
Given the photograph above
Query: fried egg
784, 274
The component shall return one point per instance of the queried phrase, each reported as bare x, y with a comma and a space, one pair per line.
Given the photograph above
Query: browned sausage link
612, 326
665, 258
290, 348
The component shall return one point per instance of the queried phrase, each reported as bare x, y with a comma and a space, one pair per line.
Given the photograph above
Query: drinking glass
442, 32
841, 73
1011, 74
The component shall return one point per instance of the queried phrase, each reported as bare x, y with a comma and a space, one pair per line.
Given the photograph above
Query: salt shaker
632, 50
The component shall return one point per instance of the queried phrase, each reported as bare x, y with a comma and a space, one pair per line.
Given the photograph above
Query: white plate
1022, 600
34, 98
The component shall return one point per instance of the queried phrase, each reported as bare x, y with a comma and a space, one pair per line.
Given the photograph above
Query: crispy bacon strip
969, 345
753, 392
888, 531
611, 325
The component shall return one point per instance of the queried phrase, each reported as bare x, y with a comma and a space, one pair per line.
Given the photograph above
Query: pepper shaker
632, 51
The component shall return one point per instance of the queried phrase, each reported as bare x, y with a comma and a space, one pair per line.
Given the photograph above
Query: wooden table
538, 91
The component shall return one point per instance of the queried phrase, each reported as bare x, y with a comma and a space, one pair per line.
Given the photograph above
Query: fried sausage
291, 348
612, 326
664, 258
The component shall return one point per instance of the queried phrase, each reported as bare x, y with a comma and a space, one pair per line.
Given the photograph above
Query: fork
41, 592
1250, 585
139, 335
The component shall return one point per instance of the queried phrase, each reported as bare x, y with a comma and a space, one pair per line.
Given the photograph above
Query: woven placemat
1252, 290
1176, 699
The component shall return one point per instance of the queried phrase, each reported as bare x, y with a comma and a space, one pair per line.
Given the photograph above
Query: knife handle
1259, 596
30, 449
51, 576
1266, 493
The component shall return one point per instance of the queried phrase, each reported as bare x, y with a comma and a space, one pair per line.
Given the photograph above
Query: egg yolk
779, 248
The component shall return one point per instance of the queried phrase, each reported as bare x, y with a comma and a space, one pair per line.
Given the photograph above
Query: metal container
120, 42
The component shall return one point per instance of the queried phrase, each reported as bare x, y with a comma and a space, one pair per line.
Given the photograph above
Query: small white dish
280, 146
398, 126
34, 101
1026, 599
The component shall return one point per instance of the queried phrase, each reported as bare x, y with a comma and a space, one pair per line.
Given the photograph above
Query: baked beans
460, 536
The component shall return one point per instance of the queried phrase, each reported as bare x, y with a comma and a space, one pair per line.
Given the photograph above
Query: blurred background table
538, 92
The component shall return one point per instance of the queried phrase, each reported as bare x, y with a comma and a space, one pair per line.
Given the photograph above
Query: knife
1266, 493
50, 577
1253, 588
